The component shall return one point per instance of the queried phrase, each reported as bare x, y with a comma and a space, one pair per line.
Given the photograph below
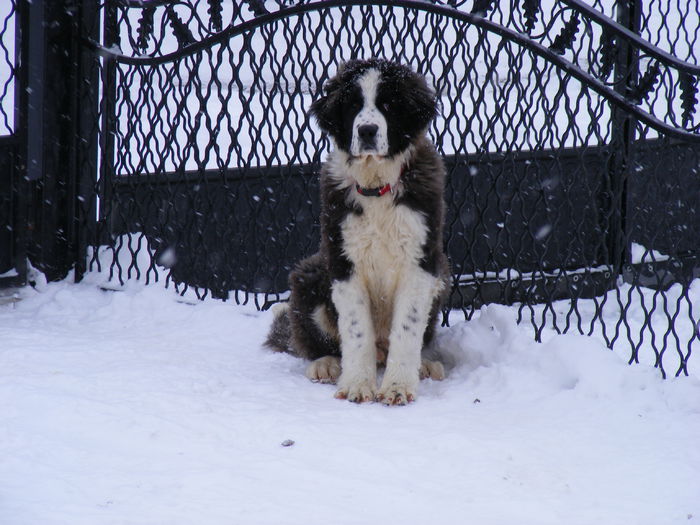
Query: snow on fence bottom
643, 325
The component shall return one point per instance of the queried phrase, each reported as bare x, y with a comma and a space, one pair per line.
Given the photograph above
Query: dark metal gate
569, 130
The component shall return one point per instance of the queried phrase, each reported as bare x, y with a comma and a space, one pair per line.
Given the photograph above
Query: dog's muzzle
367, 134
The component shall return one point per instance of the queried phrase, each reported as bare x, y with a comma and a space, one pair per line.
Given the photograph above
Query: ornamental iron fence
176, 135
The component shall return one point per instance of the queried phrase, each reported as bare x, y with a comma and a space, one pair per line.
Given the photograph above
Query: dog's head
374, 107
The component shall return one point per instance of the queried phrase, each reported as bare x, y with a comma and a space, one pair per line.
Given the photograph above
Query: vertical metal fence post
85, 116
43, 129
31, 111
20, 186
623, 133
49, 111
107, 111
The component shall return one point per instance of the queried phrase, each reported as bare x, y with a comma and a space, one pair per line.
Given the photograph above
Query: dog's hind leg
431, 365
325, 369
312, 329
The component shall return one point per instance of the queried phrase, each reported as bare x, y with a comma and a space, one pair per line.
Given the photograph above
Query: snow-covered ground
136, 407
140, 407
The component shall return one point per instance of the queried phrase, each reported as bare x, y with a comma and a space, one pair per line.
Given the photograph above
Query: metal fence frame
59, 155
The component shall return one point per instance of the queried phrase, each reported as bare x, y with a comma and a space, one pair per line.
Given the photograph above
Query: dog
372, 293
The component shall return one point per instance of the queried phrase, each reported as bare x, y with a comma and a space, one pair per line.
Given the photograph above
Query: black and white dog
373, 291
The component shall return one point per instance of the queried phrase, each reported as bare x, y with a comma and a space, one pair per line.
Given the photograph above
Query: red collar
373, 192
377, 192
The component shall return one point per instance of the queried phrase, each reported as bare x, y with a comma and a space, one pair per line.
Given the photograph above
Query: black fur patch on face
407, 104
403, 97
335, 112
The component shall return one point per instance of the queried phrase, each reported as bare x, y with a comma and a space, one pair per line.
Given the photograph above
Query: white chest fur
385, 245
384, 238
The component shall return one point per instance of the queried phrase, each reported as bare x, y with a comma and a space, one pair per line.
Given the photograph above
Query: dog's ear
326, 109
422, 101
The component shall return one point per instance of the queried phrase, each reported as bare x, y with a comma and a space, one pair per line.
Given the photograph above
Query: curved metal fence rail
570, 131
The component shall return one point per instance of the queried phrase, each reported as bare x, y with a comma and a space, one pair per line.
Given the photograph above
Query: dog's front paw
358, 392
324, 370
396, 394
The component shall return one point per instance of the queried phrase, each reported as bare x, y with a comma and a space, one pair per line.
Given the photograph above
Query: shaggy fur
372, 293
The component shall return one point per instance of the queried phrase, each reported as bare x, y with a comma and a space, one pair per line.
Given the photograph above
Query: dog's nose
367, 134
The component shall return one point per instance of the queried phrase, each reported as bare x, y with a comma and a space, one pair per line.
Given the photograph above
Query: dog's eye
385, 106
353, 105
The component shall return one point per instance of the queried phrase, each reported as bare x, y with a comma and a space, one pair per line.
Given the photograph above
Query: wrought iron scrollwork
607, 52
551, 35
531, 9
214, 12
689, 90
258, 7
646, 83
180, 30
145, 29
482, 7
565, 40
